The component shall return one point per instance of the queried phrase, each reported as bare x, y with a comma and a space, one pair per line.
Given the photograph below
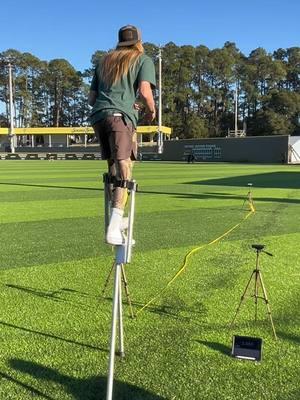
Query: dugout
62, 138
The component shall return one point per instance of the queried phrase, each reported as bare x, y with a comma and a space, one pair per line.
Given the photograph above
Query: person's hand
150, 115
138, 106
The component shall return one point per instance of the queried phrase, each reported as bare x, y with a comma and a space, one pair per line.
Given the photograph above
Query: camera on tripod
258, 247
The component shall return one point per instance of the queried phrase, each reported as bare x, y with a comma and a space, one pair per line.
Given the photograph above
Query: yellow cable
190, 253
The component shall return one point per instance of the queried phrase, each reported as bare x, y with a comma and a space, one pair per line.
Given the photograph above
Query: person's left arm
147, 82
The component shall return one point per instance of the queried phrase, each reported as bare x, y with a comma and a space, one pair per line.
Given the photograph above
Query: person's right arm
93, 90
92, 98
146, 95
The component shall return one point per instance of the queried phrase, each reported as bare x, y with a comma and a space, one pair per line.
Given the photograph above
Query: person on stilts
120, 77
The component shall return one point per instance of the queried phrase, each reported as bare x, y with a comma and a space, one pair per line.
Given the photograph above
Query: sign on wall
202, 152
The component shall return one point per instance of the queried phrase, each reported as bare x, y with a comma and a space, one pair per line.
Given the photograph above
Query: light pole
236, 111
160, 135
11, 110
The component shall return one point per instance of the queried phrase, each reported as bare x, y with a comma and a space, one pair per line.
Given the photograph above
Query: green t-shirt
121, 96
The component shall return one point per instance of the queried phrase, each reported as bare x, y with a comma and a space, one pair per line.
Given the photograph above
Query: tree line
199, 86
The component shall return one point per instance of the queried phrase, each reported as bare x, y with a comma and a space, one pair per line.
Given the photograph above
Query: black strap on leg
124, 184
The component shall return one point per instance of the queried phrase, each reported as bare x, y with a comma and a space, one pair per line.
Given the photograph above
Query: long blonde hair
117, 63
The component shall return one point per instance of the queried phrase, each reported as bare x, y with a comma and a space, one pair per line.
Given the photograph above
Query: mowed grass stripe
44, 194
50, 209
61, 239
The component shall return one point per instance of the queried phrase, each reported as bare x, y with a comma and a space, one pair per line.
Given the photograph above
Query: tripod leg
256, 286
107, 279
127, 291
244, 202
242, 299
265, 298
113, 333
121, 352
250, 201
247, 198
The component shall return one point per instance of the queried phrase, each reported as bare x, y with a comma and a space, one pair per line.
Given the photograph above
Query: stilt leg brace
116, 226
122, 188
124, 184
130, 185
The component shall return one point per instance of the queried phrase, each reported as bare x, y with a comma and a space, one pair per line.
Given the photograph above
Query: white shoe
114, 234
115, 238
124, 224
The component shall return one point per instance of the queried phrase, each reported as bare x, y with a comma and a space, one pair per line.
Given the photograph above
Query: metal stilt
123, 255
115, 311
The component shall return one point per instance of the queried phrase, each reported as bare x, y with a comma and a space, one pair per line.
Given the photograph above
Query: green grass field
55, 325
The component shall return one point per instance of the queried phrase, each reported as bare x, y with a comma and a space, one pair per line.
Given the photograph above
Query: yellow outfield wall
86, 130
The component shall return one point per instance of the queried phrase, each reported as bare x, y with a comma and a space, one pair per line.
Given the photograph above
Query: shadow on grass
283, 180
222, 196
49, 335
294, 395
32, 390
166, 310
50, 186
288, 336
221, 348
93, 388
55, 295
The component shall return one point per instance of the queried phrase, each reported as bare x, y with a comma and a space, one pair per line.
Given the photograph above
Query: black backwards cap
129, 35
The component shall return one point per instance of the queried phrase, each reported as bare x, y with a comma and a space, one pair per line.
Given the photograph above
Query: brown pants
119, 148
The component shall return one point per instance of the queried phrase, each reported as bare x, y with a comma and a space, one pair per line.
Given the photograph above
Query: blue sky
75, 29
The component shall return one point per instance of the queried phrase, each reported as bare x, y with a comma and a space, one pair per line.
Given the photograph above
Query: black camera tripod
258, 283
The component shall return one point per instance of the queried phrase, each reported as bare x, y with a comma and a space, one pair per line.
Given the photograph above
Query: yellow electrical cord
190, 253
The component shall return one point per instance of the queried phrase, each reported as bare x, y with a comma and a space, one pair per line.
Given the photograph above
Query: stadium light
160, 134
5, 62
11, 110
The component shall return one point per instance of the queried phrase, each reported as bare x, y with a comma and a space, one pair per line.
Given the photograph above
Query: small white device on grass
247, 348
